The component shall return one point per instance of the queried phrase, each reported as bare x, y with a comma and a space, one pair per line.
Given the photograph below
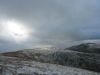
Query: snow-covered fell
37, 68
52, 61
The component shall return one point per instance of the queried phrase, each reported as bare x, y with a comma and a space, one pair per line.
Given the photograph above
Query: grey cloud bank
55, 22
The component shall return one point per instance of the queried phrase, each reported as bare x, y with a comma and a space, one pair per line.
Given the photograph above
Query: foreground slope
17, 67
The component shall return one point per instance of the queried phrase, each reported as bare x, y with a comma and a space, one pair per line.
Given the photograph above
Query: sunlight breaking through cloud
14, 31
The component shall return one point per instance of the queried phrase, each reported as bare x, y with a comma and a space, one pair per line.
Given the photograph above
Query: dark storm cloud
56, 22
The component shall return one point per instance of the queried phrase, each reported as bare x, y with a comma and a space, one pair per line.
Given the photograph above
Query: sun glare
16, 30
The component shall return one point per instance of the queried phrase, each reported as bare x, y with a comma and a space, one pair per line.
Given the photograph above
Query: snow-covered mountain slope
83, 60
17, 67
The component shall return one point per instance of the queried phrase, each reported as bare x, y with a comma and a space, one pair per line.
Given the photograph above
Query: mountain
34, 61
86, 47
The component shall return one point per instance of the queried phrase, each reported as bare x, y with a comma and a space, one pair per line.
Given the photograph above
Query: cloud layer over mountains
51, 22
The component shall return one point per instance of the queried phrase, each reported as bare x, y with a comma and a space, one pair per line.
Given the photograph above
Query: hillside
67, 58
18, 67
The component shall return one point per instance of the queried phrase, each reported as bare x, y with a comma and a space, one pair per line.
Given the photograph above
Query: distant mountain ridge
86, 47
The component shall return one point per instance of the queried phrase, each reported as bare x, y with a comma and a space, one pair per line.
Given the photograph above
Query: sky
47, 23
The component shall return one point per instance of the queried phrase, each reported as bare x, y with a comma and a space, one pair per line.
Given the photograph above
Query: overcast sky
47, 22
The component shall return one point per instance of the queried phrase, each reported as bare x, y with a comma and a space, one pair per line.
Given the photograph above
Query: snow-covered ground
34, 62
37, 68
